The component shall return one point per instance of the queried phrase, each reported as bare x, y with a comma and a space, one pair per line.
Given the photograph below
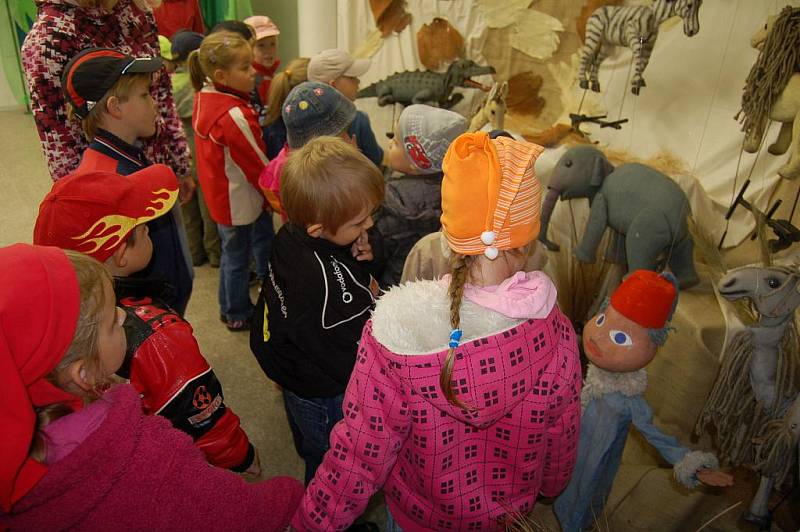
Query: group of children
457, 396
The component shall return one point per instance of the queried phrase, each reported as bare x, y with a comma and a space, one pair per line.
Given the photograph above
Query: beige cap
328, 65
263, 26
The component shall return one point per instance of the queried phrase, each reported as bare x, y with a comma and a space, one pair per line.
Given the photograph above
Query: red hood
209, 105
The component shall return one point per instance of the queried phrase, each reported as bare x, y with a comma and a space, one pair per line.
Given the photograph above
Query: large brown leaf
439, 42
390, 15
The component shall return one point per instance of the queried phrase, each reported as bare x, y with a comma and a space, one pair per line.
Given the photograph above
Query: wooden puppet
620, 341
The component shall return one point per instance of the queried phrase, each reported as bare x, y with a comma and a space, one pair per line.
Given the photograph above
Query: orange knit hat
491, 199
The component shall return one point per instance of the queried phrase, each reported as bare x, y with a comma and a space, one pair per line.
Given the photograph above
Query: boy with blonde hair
318, 292
110, 93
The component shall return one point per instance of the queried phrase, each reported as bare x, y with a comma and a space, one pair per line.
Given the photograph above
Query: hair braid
458, 269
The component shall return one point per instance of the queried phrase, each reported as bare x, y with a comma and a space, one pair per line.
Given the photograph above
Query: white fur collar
600, 382
414, 318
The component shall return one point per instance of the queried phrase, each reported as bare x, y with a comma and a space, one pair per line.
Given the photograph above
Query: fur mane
778, 61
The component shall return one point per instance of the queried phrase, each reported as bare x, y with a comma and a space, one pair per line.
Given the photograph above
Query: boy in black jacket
318, 294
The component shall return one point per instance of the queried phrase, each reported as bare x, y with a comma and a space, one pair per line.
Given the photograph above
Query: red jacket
230, 155
135, 472
174, 15
164, 364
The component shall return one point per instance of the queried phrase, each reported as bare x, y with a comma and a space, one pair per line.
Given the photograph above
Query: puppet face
615, 343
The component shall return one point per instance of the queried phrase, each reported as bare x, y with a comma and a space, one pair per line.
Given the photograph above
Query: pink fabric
60, 31
63, 435
137, 472
523, 295
441, 467
270, 181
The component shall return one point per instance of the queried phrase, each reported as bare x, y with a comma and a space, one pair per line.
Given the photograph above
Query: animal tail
368, 92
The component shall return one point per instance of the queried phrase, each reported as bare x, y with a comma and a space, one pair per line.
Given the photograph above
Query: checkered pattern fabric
61, 31
442, 467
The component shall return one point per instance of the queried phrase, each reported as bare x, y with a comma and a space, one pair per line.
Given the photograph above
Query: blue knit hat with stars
313, 109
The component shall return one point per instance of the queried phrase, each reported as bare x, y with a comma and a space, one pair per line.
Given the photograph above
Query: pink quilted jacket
441, 467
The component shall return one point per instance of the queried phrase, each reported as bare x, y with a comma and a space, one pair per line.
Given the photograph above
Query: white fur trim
414, 318
600, 382
686, 469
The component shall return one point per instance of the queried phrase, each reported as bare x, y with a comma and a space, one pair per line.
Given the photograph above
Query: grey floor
24, 180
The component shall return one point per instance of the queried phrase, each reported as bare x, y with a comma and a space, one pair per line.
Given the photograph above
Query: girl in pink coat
463, 405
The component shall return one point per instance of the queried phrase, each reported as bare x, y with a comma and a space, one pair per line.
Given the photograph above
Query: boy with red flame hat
619, 342
105, 216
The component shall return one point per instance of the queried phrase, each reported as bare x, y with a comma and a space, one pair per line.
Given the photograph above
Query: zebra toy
635, 27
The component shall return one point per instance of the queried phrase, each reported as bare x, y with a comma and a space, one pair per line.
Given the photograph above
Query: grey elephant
646, 210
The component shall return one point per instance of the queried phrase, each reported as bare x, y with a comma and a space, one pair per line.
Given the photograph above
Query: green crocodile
424, 86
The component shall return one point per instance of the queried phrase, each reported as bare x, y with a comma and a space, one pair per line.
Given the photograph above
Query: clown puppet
620, 341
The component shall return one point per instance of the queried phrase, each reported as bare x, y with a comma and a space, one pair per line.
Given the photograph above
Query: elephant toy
646, 210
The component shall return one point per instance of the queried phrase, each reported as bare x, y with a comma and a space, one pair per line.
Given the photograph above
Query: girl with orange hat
78, 453
463, 405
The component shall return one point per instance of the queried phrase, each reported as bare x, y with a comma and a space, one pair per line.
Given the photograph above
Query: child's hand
186, 189
361, 248
254, 471
715, 477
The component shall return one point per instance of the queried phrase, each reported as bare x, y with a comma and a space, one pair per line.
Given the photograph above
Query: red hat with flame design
95, 212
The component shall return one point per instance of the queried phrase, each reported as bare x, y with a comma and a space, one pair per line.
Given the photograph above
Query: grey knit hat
426, 132
313, 109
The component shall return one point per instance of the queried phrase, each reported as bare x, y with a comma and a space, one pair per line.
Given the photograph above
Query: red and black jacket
164, 364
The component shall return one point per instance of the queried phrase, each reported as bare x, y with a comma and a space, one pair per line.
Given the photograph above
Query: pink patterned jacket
441, 467
61, 30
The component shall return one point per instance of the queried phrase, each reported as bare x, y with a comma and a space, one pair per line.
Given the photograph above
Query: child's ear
120, 257
314, 230
76, 374
218, 76
112, 107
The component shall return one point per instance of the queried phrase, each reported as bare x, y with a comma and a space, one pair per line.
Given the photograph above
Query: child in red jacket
79, 455
230, 157
104, 215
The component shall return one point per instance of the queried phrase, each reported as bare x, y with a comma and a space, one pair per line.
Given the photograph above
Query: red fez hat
647, 298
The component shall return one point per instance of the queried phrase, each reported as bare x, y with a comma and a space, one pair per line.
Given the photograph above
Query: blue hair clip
455, 338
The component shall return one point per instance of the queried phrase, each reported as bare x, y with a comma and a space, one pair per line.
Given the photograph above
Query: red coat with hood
230, 155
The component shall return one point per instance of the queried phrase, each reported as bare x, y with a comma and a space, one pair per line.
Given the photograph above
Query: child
230, 157
110, 93
460, 432
265, 59
412, 206
273, 127
80, 455
311, 110
162, 360
201, 231
318, 293
339, 70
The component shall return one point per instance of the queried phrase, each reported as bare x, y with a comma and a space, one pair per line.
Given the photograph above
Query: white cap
328, 65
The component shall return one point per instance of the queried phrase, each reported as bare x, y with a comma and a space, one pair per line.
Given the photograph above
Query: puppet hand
715, 477
361, 248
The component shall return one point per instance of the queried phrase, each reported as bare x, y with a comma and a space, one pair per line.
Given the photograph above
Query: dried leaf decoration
586, 11
500, 14
536, 34
390, 15
369, 47
439, 42
523, 94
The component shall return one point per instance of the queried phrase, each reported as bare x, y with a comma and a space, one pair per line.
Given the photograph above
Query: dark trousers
312, 420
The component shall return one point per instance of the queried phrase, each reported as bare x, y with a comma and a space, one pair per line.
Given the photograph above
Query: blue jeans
263, 233
391, 524
313, 419
234, 271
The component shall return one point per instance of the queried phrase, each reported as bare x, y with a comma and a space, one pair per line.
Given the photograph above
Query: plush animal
647, 211
635, 27
754, 405
424, 86
493, 109
772, 90
620, 341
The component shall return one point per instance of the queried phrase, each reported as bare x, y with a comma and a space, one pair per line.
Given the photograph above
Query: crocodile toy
424, 86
